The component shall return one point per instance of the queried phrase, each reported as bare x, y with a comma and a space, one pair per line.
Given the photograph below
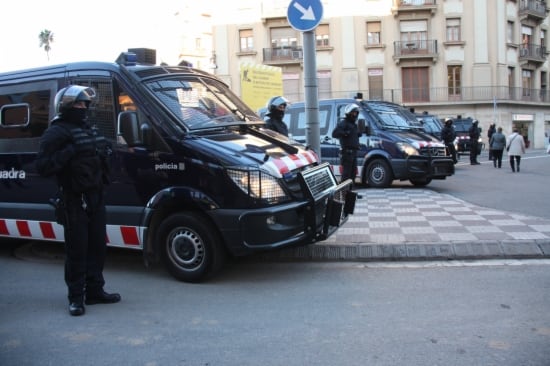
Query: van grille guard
322, 188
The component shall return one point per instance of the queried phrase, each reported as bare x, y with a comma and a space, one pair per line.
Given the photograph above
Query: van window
24, 114
299, 118
102, 110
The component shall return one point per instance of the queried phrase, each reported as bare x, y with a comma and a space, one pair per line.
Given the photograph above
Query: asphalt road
290, 314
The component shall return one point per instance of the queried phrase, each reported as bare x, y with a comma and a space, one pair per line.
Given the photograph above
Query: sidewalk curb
509, 249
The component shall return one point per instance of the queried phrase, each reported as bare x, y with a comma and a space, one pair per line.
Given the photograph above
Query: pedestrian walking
75, 152
515, 148
492, 129
276, 107
497, 144
474, 133
448, 135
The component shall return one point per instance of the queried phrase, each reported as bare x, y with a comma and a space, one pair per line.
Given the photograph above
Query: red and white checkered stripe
286, 164
421, 144
117, 236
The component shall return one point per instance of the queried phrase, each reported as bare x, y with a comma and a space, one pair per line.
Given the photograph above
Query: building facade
485, 59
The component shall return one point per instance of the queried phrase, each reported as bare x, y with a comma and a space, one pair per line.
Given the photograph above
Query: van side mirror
128, 128
361, 126
368, 130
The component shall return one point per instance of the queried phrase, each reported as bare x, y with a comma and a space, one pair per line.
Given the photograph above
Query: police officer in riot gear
276, 111
347, 132
448, 135
474, 144
77, 154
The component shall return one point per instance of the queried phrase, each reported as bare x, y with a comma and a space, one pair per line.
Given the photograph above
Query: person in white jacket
515, 148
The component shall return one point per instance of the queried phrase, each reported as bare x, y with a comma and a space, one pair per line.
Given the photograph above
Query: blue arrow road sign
304, 15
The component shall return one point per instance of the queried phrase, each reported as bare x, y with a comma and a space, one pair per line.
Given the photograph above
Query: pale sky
97, 30
100, 30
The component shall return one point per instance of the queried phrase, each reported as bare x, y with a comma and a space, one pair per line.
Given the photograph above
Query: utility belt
348, 150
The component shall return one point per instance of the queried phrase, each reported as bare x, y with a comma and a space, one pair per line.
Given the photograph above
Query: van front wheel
379, 174
190, 249
420, 182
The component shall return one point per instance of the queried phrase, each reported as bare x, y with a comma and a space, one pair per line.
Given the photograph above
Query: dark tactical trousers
85, 244
348, 160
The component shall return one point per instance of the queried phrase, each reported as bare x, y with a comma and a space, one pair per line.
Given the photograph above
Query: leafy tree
46, 39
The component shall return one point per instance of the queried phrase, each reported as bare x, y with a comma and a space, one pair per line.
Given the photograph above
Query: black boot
102, 297
76, 308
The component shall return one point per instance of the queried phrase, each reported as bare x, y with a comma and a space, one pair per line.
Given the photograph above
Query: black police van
393, 146
430, 123
462, 143
196, 176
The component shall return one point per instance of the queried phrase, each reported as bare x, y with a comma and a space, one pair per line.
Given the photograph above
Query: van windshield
201, 103
391, 116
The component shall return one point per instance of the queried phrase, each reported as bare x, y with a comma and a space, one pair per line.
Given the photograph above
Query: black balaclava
277, 113
77, 115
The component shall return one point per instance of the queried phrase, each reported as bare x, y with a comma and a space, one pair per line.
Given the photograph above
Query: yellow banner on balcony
259, 83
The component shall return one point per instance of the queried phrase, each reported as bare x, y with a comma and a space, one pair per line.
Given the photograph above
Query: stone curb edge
512, 249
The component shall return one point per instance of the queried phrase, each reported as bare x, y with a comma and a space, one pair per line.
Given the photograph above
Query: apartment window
376, 84
511, 83
373, 33
324, 80
413, 34
526, 35
526, 82
284, 37
453, 30
454, 81
247, 40
543, 85
322, 36
510, 32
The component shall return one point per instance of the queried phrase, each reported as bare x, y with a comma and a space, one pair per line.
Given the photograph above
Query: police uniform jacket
347, 132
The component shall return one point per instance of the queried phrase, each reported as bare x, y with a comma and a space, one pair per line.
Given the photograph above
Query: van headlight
407, 149
259, 185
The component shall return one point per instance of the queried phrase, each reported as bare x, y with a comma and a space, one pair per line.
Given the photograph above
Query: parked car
462, 142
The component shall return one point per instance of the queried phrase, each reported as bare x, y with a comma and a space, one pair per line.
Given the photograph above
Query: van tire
379, 174
191, 250
420, 182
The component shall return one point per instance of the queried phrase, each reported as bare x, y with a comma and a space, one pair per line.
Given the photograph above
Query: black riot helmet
68, 96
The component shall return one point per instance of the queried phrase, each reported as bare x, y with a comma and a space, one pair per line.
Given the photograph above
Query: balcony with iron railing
283, 55
533, 9
415, 50
443, 95
532, 52
407, 6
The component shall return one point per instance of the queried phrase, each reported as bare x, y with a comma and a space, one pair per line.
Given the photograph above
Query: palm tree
46, 38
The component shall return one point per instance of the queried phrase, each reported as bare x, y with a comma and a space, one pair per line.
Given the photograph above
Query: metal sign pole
304, 16
313, 139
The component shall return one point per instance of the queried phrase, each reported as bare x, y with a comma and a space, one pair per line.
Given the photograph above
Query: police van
394, 145
195, 175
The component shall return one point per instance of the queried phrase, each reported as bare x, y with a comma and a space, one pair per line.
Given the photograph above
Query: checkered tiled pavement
394, 216
419, 224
